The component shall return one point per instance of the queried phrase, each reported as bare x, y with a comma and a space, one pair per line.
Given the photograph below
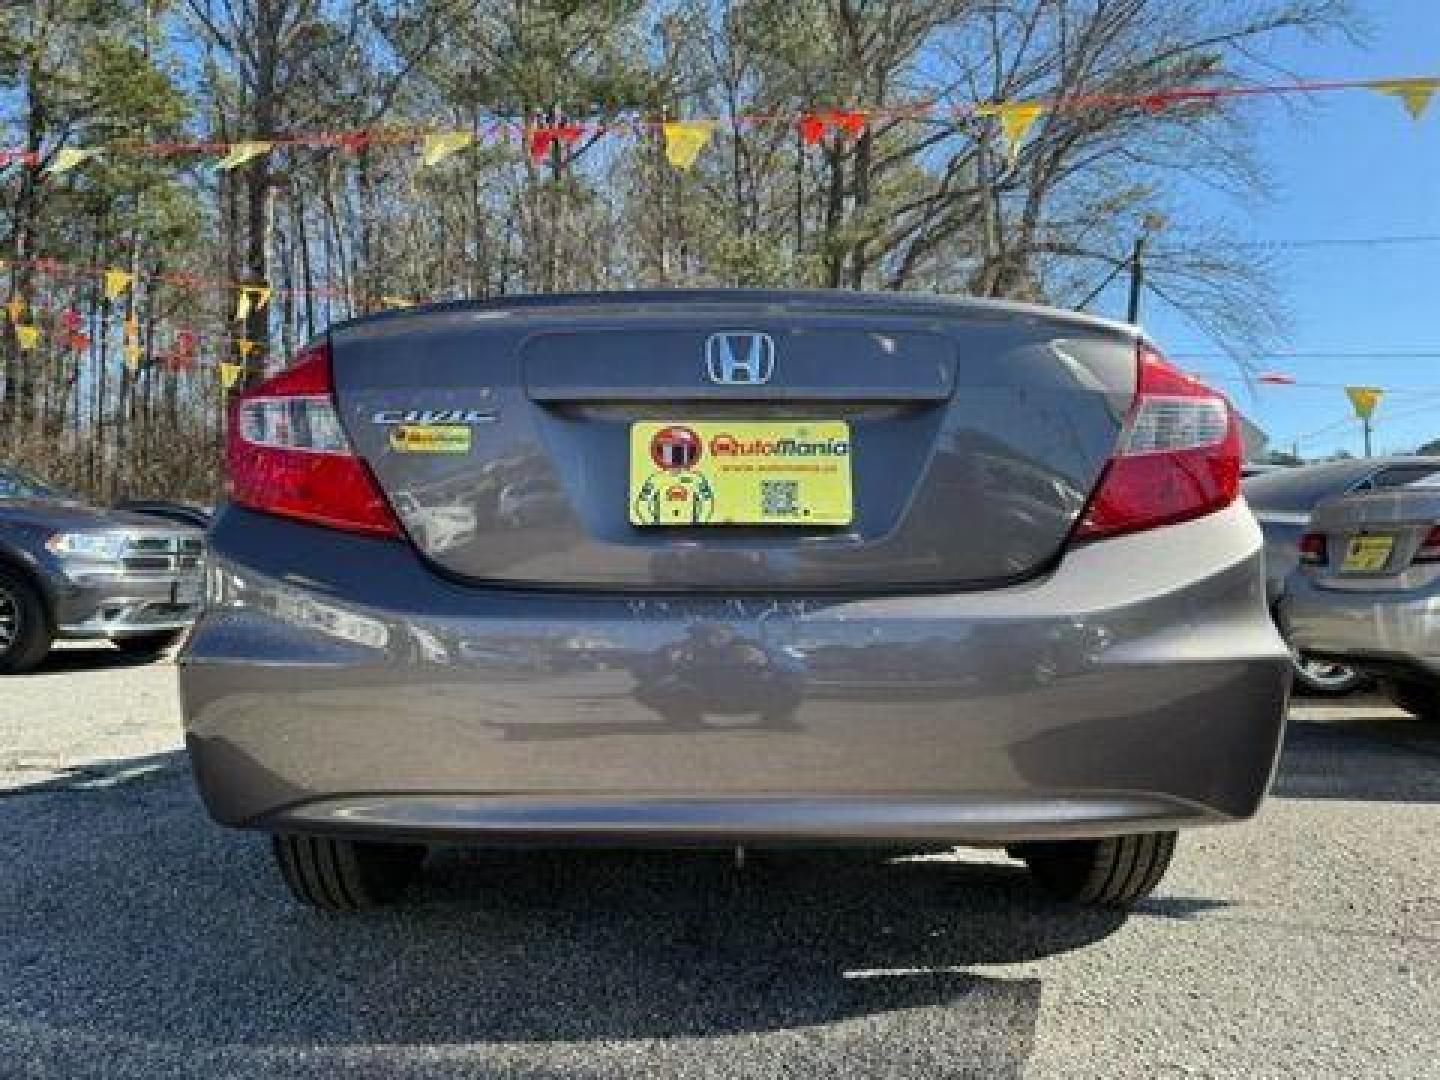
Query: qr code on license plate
780, 498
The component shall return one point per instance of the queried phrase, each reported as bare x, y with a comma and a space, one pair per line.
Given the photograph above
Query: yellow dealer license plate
1368, 554
780, 472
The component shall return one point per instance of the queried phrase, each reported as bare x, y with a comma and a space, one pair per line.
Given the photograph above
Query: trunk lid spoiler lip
754, 301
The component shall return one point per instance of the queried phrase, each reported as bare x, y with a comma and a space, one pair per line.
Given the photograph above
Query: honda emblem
745, 359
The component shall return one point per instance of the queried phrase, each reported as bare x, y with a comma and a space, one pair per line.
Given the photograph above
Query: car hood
59, 515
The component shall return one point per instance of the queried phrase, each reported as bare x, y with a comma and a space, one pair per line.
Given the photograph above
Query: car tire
1418, 698
148, 645
25, 633
1318, 678
335, 874
1111, 872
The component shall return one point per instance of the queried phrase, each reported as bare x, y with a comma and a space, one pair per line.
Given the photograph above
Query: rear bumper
1118, 694
1375, 631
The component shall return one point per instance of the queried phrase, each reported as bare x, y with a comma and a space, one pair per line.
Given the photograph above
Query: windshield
18, 485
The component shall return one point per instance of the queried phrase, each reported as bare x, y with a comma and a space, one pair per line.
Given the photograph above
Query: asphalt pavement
139, 940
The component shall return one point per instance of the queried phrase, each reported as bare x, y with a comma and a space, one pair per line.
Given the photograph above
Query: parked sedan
1283, 500
1367, 591
811, 568
69, 570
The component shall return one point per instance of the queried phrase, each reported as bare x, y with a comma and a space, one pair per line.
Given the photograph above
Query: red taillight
1178, 457
1312, 549
1429, 547
287, 454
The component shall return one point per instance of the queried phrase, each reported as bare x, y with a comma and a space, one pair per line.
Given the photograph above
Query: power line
1300, 384
1311, 354
1338, 241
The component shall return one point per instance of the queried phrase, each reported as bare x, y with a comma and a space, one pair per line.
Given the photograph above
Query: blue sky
1353, 165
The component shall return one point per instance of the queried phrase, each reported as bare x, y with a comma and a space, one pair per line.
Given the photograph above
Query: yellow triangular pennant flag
251, 296
133, 353
1016, 121
1415, 93
441, 144
67, 157
1364, 399
116, 282
683, 142
27, 337
230, 374
132, 328
15, 309
241, 152
246, 347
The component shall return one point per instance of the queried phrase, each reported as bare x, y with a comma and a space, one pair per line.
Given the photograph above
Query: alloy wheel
1318, 676
1322, 671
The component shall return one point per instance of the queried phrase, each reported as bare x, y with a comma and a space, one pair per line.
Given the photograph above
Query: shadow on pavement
127, 918
1380, 759
89, 657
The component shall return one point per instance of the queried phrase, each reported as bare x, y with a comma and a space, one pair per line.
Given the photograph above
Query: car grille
162, 554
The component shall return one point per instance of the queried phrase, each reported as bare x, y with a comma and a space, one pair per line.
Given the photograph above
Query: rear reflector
287, 454
1178, 455
1312, 549
1429, 547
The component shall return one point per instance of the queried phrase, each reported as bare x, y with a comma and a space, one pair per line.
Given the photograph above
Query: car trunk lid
1379, 540
974, 436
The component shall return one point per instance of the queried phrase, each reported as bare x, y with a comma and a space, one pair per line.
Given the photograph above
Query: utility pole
1368, 427
1137, 278
1148, 224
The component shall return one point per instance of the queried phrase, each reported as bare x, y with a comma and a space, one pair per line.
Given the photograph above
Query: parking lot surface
136, 939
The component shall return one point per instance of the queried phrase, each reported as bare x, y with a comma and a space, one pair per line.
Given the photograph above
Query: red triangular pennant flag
543, 139
812, 129
852, 123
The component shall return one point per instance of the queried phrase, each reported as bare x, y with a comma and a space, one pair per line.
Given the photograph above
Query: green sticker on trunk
430, 439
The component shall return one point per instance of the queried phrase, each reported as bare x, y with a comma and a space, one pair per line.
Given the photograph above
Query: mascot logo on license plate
722, 473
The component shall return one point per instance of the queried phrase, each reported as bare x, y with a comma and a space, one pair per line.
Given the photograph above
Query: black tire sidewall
32, 644
1419, 699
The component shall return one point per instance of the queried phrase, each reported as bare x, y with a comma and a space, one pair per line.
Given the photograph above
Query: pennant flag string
1415, 93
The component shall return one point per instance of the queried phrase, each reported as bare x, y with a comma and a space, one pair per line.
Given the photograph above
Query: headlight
96, 546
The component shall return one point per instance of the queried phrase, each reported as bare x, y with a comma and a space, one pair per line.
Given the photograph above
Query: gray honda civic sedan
732, 568
1367, 589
